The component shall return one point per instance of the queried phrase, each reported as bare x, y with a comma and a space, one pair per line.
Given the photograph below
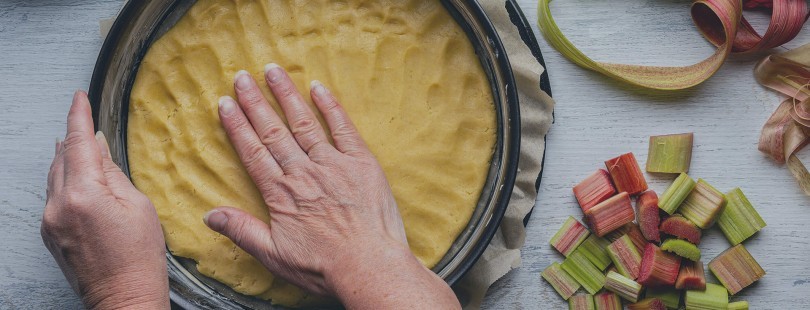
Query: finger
345, 135
268, 125
245, 230
257, 159
81, 153
56, 172
117, 181
303, 123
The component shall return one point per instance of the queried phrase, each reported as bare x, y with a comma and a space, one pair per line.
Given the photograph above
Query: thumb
245, 230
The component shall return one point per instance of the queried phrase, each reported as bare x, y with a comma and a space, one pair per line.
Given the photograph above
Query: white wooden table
48, 49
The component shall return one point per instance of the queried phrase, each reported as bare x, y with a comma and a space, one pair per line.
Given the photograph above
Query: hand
103, 233
334, 225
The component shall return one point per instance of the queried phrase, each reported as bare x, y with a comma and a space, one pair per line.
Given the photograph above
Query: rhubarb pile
649, 256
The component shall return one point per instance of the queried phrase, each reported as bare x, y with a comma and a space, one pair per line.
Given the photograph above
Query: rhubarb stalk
670, 153
682, 228
581, 302
595, 249
610, 214
714, 297
626, 174
625, 256
703, 205
624, 287
648, 304
581, 269
658, 268
736, 268
691, 276
739, 220
607, 301
569, 236
594, 189
647, 215
561, 281
676, 193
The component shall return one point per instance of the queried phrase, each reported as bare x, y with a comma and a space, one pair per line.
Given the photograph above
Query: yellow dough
404, 70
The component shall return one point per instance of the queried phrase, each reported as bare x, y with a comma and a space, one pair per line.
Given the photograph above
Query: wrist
129, 291
347, 269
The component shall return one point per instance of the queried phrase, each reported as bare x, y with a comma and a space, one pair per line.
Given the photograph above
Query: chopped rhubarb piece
680, 227
610, 214
581, 302
569, 237
676, 193
737, 305
682, 248
691, 276
670, 296
703, 205
626, 288
648, 216
670, 153
648, 304
607, 301
658, 268
594, 189
631, 230
560, 280
625, 256
581, 269
736, 268
595, 249
714, 297
626, 174
739, 220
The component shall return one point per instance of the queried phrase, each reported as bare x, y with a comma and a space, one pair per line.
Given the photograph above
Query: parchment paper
503, 253
536, 107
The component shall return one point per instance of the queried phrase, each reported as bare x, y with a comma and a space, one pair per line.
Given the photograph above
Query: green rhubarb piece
739, 220
581, 269
595, 249
738, 305
569, 237
623, 286
715, 297
671, 297
670, 153
703, 204
676, 193
607, 301
682, 248
561, 281
625, 256
581, 302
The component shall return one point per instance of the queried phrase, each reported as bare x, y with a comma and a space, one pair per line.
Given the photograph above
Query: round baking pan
142, 22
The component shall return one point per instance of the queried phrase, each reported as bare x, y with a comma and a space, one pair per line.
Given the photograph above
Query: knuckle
253, 155
252, 99
304, 125
73, 139
272, 134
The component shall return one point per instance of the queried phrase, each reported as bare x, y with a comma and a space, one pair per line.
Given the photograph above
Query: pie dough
404, 70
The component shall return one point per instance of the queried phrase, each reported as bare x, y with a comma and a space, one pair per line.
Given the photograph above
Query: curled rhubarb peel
788, 129
720, 21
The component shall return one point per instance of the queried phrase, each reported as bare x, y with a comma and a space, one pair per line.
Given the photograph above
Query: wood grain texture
48, 49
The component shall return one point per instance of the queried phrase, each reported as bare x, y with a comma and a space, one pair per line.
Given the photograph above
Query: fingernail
242, 80
227, 105
318, 87
216, 220
102, 144
56, 146
273, 73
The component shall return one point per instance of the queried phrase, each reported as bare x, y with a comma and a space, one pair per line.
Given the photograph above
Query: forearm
392, 280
